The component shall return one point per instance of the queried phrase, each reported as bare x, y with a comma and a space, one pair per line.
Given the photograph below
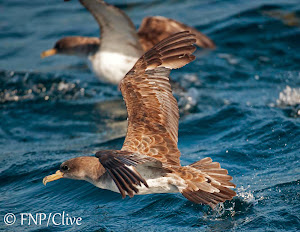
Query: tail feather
214, 170
215, 189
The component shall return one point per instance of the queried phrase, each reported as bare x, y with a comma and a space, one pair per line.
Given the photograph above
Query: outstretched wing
157, 28
118, 33
152, 109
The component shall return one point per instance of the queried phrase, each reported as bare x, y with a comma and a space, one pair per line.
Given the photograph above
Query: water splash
243, 202
245, 195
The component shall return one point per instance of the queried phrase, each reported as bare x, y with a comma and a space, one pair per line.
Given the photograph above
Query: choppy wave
26, 86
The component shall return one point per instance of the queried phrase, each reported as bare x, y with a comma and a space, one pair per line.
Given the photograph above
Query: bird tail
210, 184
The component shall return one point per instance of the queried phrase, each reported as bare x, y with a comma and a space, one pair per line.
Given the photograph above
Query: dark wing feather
120, 166
152, 109
156, 28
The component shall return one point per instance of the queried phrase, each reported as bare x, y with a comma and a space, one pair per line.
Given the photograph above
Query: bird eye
57, 46
65, 168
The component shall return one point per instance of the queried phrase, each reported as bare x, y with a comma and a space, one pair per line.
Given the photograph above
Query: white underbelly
158, 185
111, 67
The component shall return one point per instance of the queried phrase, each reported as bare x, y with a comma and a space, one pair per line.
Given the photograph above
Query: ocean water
243, 111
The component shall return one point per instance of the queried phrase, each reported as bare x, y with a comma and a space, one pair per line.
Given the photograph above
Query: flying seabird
149, 161
120, 45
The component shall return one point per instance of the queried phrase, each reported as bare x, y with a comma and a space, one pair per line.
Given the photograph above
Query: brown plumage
149, 161
152, 109
156, 28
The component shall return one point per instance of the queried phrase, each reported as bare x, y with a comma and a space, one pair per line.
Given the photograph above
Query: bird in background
113, 54
149, 161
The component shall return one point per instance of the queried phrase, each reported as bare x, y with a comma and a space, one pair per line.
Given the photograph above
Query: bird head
74, 45
81, 168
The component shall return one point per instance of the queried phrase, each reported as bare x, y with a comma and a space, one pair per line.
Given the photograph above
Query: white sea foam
188, 100
289, 97
231, 59
25, 86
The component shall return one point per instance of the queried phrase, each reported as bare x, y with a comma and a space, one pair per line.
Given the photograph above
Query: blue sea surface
244, 113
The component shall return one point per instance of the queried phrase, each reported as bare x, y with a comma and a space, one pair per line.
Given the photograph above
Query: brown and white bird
149, 161
120, 46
